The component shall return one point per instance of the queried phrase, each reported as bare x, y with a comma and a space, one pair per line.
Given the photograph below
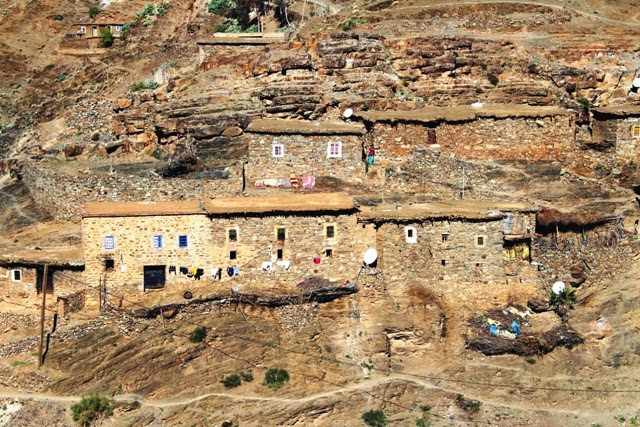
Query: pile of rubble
295, 318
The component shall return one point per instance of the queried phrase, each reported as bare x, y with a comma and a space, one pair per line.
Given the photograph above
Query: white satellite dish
370, 256
636, 82
347, 113
557, 288
477, 104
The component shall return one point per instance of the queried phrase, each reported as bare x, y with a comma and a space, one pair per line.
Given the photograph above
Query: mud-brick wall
305, 239
617, 133
544, 138
303, 155
134, 249
442, 262
62, 194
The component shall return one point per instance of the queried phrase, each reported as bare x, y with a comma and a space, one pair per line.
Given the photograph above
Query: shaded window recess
281, 234
233, 235
279, 253
183, 241
330, 232
233, 255
445, 237
328, 253
109, 264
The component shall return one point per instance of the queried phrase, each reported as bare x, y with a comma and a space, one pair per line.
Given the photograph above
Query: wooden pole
44, 301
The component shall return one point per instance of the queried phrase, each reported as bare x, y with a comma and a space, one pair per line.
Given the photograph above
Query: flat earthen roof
461, 113
619, 110
454, 209
305, 127
113, 209
311, 202
62, 256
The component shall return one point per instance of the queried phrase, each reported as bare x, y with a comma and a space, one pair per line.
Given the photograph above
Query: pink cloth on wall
316, 260
308, 182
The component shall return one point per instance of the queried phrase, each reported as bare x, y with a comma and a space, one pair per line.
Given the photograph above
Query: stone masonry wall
304, 155
549, 138
618, 133
209, 248
62, 195
134, 249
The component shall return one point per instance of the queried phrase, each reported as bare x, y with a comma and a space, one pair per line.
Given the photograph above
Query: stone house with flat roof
279, 148
188, 245
489, 132
22, 274
617, 129
449, 246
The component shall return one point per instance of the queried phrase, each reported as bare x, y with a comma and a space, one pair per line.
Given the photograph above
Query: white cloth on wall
267, 265
284, 264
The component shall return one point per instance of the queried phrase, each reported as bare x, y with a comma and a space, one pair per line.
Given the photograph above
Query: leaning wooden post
44, 301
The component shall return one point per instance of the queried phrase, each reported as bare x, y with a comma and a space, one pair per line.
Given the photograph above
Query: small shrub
246, 376
93, 11
62, 76
275, 378
95, 136
48, 67
106, 37
583, 101
221, 7
58, 17
126, 27
531, 361
351, 23
375, 418
149, 9
162, 8
147, 84
493, 79
567, 297
91, 408
231, 381
469, 406
146, 21
198, 335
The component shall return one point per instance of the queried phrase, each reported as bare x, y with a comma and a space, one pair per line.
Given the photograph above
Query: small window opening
109, 264
282, 234
445, 237
183, 241
478, 264
233, 254
443, 262
331, 231
279, 253
109, 242
157, 242
328, 253
635, 132
233, 235
480, 240
16, 275
410, 235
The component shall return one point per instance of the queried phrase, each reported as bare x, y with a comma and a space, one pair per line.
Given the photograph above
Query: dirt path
551, 5
365, 386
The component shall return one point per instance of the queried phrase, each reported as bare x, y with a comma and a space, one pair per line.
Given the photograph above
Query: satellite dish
477, 104
557, 288
370, 256
636, 82
347, 113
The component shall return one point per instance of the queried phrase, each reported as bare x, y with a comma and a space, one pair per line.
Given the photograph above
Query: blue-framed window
157, 242
183, 241
109, 242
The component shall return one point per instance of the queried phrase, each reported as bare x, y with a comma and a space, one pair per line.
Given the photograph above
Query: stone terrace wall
617, 133
304, 155
548, 138
62, 195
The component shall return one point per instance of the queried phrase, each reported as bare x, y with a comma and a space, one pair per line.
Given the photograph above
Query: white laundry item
270, 182
267, 265
284, 264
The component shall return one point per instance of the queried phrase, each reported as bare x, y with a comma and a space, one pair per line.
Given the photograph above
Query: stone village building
279, 148
617, 129
279, 240
21, 279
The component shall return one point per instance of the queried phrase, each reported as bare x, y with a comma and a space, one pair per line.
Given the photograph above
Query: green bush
126, 27
493, 79
198, 335
162, 8
149, 9
231, 381
146, 84
49, 67
58, 17
275, 378
583, 101
375, 418
90, 408
221, 7
106, 37
567, 297
246, 376
351, 23
93, 11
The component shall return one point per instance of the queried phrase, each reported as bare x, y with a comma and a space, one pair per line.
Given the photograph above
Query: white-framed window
83, 30
16, 275
635, 131
277, 150
183, 241
117, 27
109, 243
481, 241
157, 242
410, 235
330, 231
334, 149
281, 234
